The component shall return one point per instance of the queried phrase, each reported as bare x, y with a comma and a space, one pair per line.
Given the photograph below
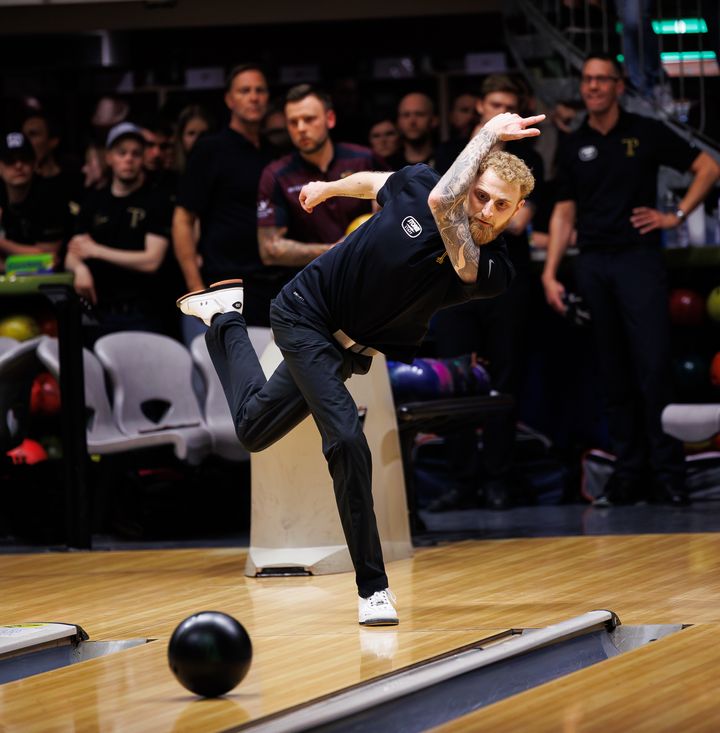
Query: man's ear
521, 203
330, 119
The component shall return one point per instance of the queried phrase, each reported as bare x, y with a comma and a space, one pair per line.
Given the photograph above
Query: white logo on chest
411, 226
588, 152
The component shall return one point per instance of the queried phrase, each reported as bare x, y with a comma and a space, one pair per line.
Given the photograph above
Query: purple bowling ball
481, 379
445, 376
414, 382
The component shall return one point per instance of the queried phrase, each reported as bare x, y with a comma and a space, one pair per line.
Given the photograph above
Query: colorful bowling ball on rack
357, 222
19, 327
45, 395
444, 375
210, 653
715, 370
712, 304
414, 382
692, 374
687, 308
481, 379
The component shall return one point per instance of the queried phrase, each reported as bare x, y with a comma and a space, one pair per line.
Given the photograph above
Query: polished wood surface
307, 642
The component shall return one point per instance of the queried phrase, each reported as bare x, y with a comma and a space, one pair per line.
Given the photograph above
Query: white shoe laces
381, 597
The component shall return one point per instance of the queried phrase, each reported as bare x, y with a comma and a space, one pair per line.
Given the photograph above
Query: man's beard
482, 233
315, 147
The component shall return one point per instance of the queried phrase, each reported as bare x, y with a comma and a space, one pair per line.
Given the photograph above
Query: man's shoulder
96, 197
352, 150
282, 166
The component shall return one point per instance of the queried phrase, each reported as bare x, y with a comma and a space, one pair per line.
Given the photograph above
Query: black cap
15, 146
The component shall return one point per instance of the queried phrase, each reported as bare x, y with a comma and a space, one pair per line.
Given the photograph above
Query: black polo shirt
607, 176
42, 217
220, 186
386, 280
122, 222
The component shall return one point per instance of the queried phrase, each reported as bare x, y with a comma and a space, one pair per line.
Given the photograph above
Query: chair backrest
215, 405
18, 366
100, 421
7, 344
151, 376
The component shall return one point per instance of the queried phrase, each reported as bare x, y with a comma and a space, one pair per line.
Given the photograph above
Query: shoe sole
219, 285
380, 622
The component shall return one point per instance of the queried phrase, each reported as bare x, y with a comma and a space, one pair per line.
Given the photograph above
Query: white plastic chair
151, 376
217, 413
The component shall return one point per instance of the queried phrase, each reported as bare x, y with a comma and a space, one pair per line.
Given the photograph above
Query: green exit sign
674, 26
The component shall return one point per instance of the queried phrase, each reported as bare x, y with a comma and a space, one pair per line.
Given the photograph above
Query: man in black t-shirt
607, 182
219, 189
433, 244
32, 216
120, 243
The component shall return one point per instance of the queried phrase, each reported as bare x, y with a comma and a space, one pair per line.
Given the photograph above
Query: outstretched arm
360, 185
447, 199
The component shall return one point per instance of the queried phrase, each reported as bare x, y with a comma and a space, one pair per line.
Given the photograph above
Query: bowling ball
481, 379
29, 452
47, 323
444, 375
460, 367
19, 327
357, 222
691, 376
715, 370
53, 446
713, 304
45, 395
687, 308
209, 653
414, 382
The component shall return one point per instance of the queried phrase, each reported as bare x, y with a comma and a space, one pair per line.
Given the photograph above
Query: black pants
626, 291
310, 380
495, 329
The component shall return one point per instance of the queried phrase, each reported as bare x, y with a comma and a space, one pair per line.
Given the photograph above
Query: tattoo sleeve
447, 203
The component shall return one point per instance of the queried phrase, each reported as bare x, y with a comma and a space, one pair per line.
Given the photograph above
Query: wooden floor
307, 642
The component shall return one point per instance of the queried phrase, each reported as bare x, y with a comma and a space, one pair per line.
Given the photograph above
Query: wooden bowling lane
304, 630
670, 685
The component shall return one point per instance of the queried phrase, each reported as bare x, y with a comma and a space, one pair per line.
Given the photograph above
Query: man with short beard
288, 236
120, 243
434, 243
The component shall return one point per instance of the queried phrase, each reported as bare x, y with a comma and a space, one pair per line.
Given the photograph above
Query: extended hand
509, 126
312, 194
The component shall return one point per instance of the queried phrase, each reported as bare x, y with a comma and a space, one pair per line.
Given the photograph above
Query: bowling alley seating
18, 367
217, 413
691, 423
153, 397
7, 343
104, 437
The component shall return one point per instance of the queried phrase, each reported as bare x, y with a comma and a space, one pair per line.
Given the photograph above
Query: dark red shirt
280, 184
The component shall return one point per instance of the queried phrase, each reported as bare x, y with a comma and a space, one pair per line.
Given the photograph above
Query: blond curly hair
510, 169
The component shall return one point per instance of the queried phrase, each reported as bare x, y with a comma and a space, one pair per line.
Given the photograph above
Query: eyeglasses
600, 79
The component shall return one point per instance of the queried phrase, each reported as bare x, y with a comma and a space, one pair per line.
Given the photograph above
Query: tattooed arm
447, 200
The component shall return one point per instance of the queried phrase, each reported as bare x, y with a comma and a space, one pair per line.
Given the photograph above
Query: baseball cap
15, 146
122, 131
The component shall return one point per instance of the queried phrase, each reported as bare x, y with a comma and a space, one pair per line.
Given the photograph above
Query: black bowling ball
210, 653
